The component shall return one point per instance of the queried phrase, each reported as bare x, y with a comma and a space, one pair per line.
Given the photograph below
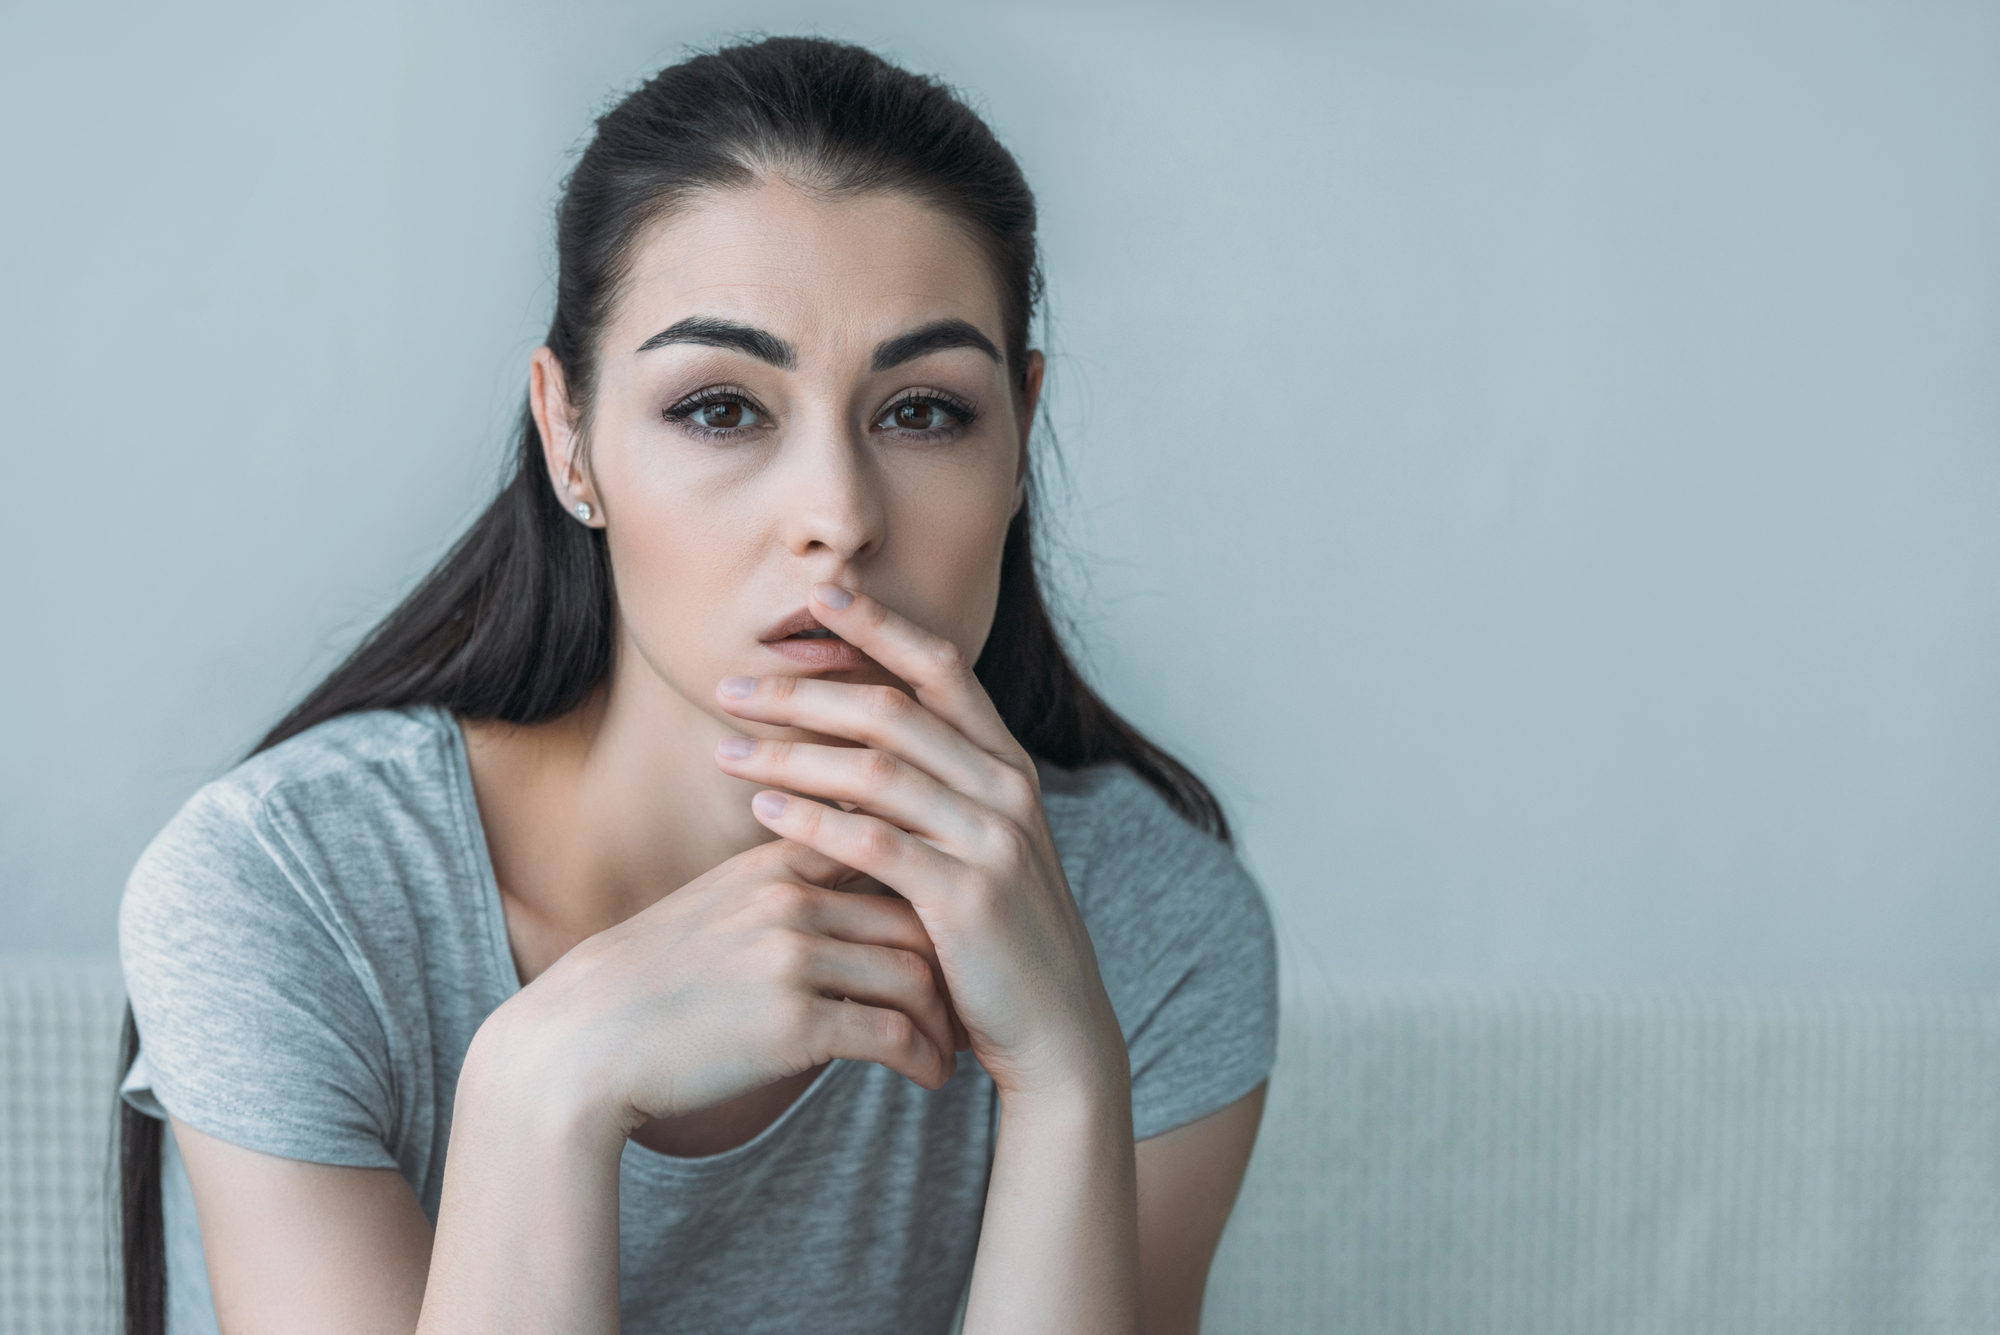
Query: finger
896, 858
931, 664
873, 781
881, 717
882, 1035
864, 919
871, 920
882, 976
794, 861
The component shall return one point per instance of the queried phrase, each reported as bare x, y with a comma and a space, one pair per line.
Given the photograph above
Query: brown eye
924, 416
715, 413
723, 415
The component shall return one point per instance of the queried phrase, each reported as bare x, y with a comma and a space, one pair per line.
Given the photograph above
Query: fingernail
736, 748
769, 805
832, 595
738, 687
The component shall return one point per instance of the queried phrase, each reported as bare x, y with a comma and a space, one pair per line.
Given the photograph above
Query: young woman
713, 901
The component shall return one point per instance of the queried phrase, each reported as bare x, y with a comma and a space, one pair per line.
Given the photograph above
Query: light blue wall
1542, 461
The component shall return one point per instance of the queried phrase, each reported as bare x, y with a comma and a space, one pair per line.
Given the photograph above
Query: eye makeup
724, 412
926, 414
718, 412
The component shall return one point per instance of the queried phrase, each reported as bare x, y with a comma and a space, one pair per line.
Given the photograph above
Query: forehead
809, 267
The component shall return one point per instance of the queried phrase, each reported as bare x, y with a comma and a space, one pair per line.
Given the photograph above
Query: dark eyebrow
933, 337
713, 333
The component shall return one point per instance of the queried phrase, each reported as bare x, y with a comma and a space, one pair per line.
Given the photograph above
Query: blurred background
1540, 461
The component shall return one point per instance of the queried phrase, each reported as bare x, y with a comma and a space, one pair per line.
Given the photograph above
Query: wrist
539, 1082
1091, 1069
1083, 1094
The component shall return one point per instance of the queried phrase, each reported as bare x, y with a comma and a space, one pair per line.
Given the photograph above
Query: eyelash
962, 413
682, 413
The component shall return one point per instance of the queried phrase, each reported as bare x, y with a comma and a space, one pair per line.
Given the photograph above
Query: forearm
1058, 1249
527, 1232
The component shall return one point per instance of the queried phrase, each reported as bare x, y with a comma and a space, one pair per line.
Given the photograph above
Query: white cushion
1537, 1162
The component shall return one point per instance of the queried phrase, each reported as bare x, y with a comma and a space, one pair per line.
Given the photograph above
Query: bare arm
531, 1241
528, 1223
1059, 1248
1188, 1180
305, 1247
291, 1243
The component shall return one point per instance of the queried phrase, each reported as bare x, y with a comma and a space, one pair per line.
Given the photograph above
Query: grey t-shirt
312, 942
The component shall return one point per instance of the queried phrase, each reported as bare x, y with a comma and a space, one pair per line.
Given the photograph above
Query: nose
832, 496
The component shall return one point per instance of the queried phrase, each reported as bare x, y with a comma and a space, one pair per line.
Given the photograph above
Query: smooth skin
695, 865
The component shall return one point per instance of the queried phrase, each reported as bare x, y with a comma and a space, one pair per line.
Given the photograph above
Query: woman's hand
946, 810
756, 971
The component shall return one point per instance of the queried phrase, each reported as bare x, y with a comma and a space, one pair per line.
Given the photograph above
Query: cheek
948, 553
681, 554
673, 563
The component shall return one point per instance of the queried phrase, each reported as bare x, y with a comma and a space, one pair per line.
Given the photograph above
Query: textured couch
1434, 1160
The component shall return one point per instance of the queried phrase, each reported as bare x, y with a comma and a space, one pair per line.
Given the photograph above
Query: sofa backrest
1541, 1162
1433, 1159
58, 1076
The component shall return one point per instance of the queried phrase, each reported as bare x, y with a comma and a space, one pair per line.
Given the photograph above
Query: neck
592, 817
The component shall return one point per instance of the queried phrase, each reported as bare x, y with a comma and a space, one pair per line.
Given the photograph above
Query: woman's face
795, 389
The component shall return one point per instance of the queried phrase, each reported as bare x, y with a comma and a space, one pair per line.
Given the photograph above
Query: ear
548, 400
1031, 398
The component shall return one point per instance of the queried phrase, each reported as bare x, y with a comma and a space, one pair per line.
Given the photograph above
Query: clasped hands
762, 968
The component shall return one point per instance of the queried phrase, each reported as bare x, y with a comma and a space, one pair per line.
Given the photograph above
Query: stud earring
583, 511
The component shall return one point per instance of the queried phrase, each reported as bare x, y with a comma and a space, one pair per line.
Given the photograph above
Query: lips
800, 622
807, 645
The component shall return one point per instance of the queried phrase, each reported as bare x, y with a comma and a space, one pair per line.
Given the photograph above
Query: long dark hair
515, 623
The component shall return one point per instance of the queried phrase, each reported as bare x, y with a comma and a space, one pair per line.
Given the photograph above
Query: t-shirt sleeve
254, 1024
1184, 941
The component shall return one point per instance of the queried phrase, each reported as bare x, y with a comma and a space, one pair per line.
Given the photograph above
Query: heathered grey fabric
312, 942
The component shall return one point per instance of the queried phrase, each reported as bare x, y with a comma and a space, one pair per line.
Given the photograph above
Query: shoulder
298, 800
1136, 864
1183, 939
1086, 805
343, 765
271, 945
380, 751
